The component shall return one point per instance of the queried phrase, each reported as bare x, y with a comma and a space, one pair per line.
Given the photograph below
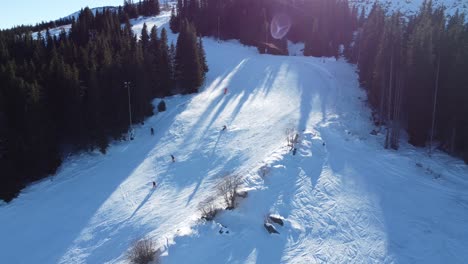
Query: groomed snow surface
343, 198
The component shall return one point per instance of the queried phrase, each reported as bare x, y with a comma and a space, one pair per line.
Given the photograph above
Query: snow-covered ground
410, 7
345, 201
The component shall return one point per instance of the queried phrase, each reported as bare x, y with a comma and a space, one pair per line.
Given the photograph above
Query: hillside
410, 7
343, 198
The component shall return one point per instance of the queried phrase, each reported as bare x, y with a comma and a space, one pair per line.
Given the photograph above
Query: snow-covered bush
208, 209
292, 137
143, 252
228, 189
264, 171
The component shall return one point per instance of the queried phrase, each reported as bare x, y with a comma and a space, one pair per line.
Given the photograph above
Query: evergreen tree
166, 74
420, 59
188, 72
174, 22
145, 38
201, 53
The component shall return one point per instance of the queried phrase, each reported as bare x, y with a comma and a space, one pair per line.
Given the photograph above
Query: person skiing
225, 90
152, 131
154, 184
224, 128
173, 158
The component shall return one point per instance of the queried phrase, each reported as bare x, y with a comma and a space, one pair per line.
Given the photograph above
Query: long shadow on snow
250, 241
216, 86
238, 90
182, 175
322, 89
101, 192
123, 166
142, 202
404, 203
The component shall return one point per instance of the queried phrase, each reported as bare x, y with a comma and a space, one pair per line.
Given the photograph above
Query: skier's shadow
216, 144
143, 202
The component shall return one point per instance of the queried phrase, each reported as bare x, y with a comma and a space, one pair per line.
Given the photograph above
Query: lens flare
280, 25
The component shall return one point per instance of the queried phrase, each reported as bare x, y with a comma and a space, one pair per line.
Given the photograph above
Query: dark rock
270, 228
277, 220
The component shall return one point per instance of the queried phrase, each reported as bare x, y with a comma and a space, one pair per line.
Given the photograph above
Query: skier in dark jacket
152, 131
224, 128
173, 158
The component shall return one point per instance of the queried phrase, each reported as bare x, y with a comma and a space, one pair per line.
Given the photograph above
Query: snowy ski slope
345, 201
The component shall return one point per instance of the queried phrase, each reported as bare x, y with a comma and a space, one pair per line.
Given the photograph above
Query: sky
17, 12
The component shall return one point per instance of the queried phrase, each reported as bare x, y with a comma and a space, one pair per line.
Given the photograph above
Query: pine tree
152, 63
172, 63
420, 66
188, 73
174, 22
165, 65
145, 39
201, 53
368, 44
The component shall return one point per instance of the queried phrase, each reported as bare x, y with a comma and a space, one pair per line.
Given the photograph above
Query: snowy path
348, 201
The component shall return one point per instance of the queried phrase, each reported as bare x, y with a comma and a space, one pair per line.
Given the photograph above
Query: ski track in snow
348, 201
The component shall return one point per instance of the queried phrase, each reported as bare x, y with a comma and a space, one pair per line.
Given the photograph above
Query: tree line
327, 22
63, 94
415, 72
130, 9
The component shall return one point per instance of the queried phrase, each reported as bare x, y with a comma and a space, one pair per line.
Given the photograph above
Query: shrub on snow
228, 190
208, 209
143, 252
162, 106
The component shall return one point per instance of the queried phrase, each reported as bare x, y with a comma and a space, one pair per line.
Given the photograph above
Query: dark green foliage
415, 75
202, 56
189, 68
332, 23
130, 8
148, 7
174, 22
166, 73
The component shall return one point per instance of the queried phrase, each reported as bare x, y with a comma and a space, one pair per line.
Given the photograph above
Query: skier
173, 158
154, 184
224, 128
152, 131
225, 90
